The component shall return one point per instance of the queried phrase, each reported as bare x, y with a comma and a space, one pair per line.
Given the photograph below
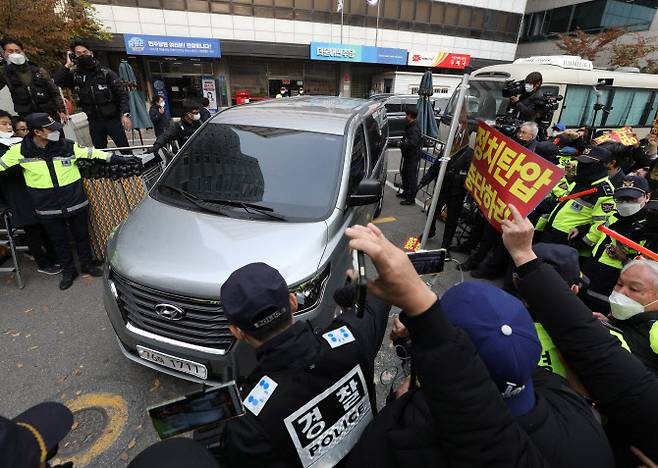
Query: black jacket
456, 171
624, 390
205, 114
562, 426
636, 333
618, 179
13, 192
178, 132
304, 366
412, 141
41, 96
99, 91
161, 122
529, 106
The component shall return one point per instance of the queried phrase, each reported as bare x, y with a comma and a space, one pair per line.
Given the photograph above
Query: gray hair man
526, 135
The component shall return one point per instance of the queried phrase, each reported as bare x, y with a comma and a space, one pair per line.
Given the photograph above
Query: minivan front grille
203, 324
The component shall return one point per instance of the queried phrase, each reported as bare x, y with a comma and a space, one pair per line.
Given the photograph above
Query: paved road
60, 346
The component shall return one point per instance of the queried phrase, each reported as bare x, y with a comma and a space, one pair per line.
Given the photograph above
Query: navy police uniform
312, 394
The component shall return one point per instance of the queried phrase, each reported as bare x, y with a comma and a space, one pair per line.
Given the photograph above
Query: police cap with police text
256, 297
633, 187
41, 120
594, 154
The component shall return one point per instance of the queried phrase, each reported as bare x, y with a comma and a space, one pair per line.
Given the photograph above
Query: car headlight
309, 292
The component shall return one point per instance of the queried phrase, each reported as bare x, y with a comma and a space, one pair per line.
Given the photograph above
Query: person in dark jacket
307, 384
32, 89
14, 193
529, 105
100, 93
180, 132
159, 115
205, 113
452, 193
20, 126
624, 390
410, 147
472, 421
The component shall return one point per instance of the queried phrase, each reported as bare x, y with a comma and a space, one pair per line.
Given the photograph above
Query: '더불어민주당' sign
503, 172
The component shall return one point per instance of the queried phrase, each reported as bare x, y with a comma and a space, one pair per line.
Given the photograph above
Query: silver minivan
275, 182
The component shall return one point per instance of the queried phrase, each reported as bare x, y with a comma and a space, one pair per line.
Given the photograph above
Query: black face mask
86, 61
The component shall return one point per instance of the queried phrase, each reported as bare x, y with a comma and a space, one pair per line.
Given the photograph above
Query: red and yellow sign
439, 59
503, 172
625, 135
654, 129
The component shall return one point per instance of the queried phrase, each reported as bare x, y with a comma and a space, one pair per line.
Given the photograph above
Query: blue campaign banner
357, 53
140, 44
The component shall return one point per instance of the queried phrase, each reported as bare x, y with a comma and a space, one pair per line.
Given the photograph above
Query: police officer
100, 94
53, 181
180, 132
608, 255
312, 394
410, 148
572, 219
31, 88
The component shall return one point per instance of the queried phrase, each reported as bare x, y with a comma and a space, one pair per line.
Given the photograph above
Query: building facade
545, 18
266, 45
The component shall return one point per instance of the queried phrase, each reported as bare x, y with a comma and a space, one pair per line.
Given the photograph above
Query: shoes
469, 264
67, 281
485, 274
401, 195
50, 270
461, 248
407, 202
29, 256
92, 271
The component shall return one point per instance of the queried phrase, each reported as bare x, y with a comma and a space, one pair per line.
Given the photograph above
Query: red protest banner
502, 172
625, 135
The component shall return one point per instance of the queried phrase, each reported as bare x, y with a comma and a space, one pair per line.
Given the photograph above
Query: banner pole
454, 125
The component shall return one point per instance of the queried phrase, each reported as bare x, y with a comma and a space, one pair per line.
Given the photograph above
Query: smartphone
428, 262
360, 281
196, 411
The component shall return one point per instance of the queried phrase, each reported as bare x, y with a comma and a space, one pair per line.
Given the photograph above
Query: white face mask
6, 134
16, 59
628, 209
53, 136
623, 307
529, 88
196, 116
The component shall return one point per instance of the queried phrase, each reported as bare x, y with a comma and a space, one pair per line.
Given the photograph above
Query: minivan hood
192, 253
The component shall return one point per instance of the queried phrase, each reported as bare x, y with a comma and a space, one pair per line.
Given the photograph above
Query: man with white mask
31, 87
609, 255
528, 105
13, 193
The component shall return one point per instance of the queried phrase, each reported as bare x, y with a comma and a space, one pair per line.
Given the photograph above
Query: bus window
578, 107
484, 100
651, 111
628, 107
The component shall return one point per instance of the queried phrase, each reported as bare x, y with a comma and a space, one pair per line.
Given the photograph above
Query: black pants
410, 176
40, 246
102, 128
57, 229
454, 202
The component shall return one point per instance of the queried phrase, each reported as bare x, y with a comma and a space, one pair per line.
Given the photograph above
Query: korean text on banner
503, 172
626, 136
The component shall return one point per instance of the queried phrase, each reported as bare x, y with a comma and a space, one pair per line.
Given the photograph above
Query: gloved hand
120, 159
155, 148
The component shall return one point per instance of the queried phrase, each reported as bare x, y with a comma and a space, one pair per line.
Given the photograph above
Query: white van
633, 96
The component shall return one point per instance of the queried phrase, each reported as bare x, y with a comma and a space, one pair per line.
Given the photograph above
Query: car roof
322, 114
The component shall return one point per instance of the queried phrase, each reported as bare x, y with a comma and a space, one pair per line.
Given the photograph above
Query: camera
548, 107
514, 88
508, 124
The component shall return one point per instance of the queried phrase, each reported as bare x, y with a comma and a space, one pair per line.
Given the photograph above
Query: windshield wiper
199, 202
203, 202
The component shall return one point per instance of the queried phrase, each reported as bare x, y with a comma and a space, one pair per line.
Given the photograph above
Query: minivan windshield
291, 174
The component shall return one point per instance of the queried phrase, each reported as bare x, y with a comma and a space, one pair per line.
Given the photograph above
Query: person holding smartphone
309, 387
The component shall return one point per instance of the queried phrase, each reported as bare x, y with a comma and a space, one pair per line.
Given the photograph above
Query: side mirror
368, 192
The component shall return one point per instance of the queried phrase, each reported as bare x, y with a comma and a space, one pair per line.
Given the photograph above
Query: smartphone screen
196, 411
360, 281
428, 262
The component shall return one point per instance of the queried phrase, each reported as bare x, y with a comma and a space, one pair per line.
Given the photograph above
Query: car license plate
172, 362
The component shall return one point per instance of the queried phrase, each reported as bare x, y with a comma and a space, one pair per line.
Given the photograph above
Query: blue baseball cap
504, 334
559, 126
255, 297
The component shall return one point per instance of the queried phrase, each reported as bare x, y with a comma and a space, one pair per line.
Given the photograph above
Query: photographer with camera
100, 94
527, 102
312, 393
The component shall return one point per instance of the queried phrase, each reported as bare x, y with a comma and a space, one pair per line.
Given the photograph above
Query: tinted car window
375, 138
358, 166
295, 173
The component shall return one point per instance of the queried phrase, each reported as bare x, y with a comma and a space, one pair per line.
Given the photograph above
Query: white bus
632, 96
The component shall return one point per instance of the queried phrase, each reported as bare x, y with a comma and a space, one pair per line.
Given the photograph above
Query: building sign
503, 172
139, 44
438, 59
357, 53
